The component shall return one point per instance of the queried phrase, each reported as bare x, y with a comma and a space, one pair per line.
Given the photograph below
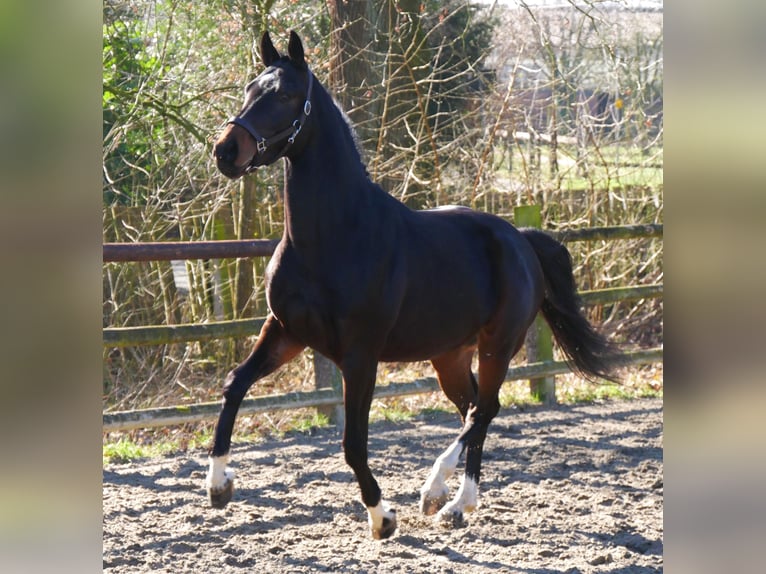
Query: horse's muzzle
233, 158
226, 151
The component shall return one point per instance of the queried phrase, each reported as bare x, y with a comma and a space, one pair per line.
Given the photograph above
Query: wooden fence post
539, 341
327, 376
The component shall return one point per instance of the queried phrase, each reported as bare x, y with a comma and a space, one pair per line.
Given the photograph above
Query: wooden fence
328, 393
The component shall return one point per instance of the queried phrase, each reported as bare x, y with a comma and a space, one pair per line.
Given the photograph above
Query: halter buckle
297, 125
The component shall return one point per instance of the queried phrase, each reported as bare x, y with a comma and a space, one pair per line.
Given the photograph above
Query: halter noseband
262, 143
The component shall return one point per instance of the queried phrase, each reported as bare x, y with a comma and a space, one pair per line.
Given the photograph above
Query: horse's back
487, 242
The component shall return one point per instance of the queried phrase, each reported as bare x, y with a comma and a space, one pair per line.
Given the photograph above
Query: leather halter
262, 143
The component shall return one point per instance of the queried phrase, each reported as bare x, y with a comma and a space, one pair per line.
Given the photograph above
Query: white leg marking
376, 516
435, 487
434, 492
218, 475
466, 500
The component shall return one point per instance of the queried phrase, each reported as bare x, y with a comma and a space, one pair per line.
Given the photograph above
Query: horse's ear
269, 53
295, 49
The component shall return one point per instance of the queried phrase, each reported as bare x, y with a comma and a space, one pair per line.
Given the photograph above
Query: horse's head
277, 105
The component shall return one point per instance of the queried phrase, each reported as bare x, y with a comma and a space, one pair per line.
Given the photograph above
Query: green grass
392, 411
606, 392
126, 449
135, 445
309, 423
611, 167
130, 446
572, 390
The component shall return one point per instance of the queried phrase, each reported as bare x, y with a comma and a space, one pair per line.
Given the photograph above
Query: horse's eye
283, 97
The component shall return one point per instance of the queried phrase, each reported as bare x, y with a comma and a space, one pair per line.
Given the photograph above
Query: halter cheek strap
290, 132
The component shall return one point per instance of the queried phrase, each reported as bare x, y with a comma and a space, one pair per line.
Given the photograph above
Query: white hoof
219, 482
450, 516
382, 520
432, 500
466, 500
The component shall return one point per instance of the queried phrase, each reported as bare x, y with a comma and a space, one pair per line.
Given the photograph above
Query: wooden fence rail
168, 334
323, 397
176, 250
165, 416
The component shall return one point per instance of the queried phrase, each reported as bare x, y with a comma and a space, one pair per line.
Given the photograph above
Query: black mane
347, 129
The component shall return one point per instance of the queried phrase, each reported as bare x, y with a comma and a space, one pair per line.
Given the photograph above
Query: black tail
588, 353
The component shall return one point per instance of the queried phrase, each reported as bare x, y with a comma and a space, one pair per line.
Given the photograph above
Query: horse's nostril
226, 151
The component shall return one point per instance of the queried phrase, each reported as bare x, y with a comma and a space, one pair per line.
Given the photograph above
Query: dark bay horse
361, 278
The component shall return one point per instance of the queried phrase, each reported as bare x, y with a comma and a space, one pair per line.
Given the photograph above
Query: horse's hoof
432, 505
220, 497
387, 528
450, 518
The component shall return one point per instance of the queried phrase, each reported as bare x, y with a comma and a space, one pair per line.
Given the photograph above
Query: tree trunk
354, 79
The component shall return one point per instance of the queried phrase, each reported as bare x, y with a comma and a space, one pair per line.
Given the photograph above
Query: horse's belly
427, 330
408, 350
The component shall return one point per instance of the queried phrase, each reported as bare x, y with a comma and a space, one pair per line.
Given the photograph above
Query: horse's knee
234, 386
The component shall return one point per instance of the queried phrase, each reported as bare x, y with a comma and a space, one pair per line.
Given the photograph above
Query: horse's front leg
272, 349
359, 383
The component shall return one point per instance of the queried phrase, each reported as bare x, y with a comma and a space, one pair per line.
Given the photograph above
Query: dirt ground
569, 489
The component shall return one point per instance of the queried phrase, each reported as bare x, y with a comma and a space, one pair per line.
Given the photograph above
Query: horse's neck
327, 190
323, 197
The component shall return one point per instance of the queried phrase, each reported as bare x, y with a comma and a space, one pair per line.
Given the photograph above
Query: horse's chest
299, 300
327, 306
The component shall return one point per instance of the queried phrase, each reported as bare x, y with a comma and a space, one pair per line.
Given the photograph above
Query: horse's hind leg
458, 383
493, 366
272, 349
